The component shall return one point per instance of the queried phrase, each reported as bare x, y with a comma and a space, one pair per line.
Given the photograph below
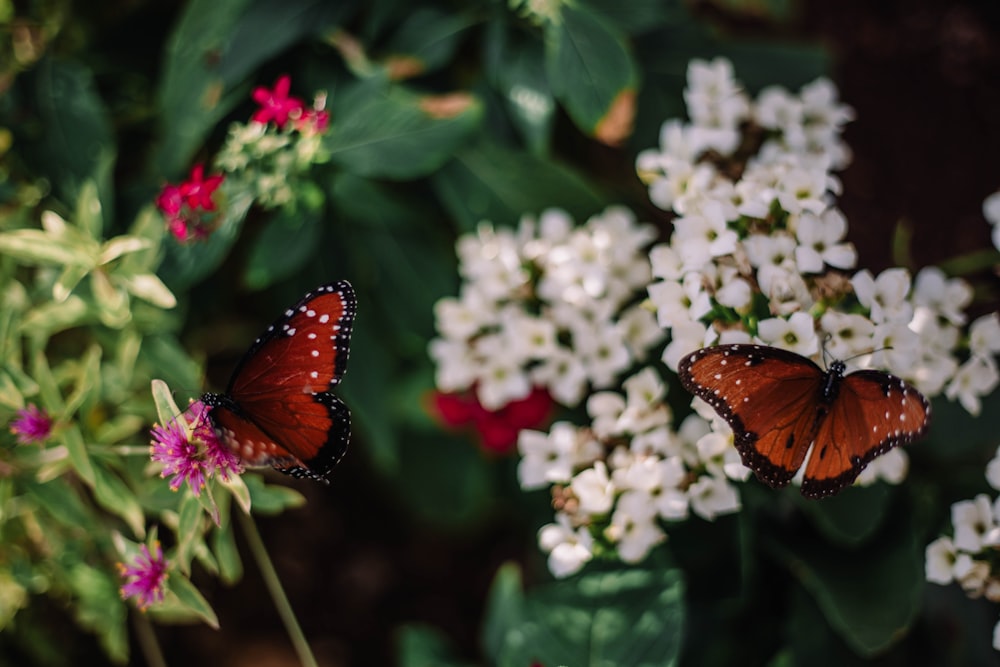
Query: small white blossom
940, 558
972, 519
975, 378
711, 496
569, 549
796, 334
885, 296
594, 489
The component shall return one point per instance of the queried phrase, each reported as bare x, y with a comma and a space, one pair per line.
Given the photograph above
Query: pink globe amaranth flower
179, 455
197, 191
145, 579
276, 104
196, 458
32, 425
219, 459
497, 429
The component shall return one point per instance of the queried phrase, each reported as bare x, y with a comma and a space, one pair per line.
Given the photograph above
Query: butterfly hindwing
278, 409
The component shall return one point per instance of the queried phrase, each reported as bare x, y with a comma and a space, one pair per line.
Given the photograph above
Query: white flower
605, 409
946, 297
971, 574
679, 302
972, 519
456, 366
633, 527
976, 377
603, 353
529, 337
996, 628
993, 471
594, 489
891, 467
885, 296
564, 375
896, 347
546, 458
849, 334
984, 335
819, 242
711, 496
665, 262
991, 208
939, 558
796, 334
569, 549
640, 330
463, 318
501, 380
687, 338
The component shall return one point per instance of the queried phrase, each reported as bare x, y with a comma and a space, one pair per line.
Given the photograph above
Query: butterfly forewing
768, 405
873, 412
278, 409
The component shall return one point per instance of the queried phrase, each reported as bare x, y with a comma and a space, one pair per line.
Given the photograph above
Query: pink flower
313, 121
276, 104
185, 205
145, 578
197, 190
497, 429
32, 425
196, 458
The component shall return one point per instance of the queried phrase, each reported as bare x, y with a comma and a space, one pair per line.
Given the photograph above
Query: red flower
276, 104
498, 429
184, 205
197, 190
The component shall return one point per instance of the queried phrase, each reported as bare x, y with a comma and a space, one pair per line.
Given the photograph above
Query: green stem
273, 584
145, 637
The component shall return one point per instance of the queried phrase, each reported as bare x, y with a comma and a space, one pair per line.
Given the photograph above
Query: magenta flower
184, 206
195, 459
32, 425
145, 578
179, 455
198, 190
276, 104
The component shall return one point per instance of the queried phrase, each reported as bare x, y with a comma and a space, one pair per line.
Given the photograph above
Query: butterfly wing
769, 398
872, 413
279, 409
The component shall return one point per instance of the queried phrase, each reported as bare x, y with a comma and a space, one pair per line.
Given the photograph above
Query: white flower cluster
550, 304
757, 253
266, 160
972, 556
618, 479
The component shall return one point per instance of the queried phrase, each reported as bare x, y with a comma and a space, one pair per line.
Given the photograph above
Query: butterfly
278, 409
779, 404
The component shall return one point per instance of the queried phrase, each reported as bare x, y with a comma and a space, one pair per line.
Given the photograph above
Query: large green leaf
590, 68
77, 144
427, 39
423, 646
288, 241
869, 596
629, 616
387, 131
488, 182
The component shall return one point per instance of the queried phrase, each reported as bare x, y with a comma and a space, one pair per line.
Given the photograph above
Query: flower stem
273, 584
145, 637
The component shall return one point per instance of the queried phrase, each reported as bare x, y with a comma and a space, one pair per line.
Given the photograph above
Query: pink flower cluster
193, 455
278, 106
189, 207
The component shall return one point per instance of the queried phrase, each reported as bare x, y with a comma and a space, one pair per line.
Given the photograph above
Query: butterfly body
781, 405
278, 408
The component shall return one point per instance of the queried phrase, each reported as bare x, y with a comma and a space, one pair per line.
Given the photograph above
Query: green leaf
425, 646
389, 132
488, 182
845, 583
193, 95
288, 241
632, 616
61, 501
189, 533
639, 16
149, 287
34, 246
98, 607
122, 245
111, 301
115, 496
52, 317
590, 68
428, 38
70, 277
226, 553
518, 73
446, 477
78, 455
167, 357
851, 517
78, 143
239, 491
87, 386
272, 498
188, 595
